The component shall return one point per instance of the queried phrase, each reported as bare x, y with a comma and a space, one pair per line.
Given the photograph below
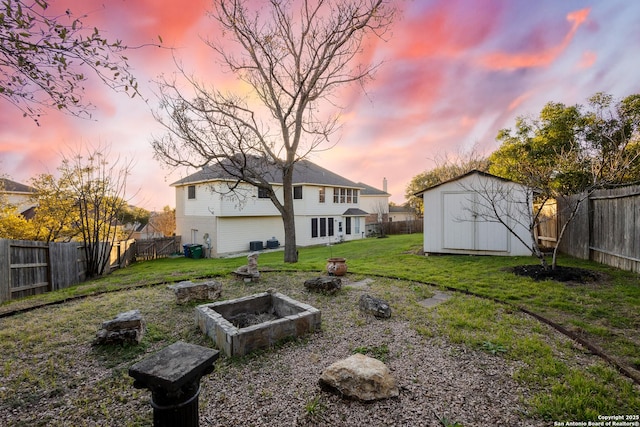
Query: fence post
5, 271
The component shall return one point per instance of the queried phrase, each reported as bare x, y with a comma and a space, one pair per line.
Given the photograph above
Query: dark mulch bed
560, 274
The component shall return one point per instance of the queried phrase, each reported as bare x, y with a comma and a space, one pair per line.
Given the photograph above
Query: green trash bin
196, 251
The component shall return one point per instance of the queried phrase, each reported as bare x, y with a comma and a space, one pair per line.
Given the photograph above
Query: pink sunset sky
454, 73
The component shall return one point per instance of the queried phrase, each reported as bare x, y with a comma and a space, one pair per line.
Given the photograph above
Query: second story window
297, 192
191, 192
321, 195
263, 193
345, 195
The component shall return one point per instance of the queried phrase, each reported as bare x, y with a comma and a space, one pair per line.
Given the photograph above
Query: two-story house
18, 195
327, 207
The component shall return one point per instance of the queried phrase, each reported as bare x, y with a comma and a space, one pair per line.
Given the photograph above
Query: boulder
374, 306
360, 377
324, 284
188, 291
126, 327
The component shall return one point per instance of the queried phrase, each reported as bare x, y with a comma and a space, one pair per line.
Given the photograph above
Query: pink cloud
540, 58
588, 59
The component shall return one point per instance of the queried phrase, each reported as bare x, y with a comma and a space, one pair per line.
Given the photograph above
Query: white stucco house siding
327, 209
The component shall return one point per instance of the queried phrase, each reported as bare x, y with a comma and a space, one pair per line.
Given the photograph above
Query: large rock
188, 291
127, 327
324, 284
374, 306
360, 377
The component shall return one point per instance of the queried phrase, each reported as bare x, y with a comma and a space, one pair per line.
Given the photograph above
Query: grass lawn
606, 313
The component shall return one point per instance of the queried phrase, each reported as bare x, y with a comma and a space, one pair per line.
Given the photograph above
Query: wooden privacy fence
157, 248
606, 228
405, 227
30, 268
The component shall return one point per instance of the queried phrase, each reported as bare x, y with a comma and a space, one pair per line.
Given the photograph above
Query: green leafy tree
13, 225
447, 167
570, 151
293, 57
56, 215
44, 59
132, 216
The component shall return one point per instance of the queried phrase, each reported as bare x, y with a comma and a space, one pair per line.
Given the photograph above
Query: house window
322, 227
357, 226
321, 195
263, 193
191, 192
297, 192
345, 195
348, 225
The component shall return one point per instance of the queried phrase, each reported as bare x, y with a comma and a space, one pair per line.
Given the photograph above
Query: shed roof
464, 175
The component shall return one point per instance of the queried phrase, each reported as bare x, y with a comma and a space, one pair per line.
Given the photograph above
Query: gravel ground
71, 383
438, 382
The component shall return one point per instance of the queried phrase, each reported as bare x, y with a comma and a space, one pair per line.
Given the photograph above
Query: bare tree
98, 186
293, 58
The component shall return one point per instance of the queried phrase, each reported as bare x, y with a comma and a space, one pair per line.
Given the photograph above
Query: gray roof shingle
305, 172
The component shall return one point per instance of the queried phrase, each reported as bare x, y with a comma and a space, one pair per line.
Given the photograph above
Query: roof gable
460, 177
305, 172
15, 187
368, 190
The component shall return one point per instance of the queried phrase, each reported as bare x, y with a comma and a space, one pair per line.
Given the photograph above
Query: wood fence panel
615, 227
575, 241
606, 229
66, 269
30, 272
5, 271
405, 227
157, 248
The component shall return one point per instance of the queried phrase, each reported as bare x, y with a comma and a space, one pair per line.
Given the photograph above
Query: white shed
461, 216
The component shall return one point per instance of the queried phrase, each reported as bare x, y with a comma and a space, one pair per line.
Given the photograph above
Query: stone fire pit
242, 325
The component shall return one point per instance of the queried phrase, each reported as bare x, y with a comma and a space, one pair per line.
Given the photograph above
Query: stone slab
174, 366
437, 298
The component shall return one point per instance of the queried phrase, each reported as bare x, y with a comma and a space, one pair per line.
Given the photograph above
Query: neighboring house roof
354, 212
15, 187
368, 190
305, 172
400, 209
471, 172
30, 213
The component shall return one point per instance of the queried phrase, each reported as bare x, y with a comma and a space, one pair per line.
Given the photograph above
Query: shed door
458, 228
463, 230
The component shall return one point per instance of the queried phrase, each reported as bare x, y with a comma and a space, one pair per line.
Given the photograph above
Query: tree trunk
288, 217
